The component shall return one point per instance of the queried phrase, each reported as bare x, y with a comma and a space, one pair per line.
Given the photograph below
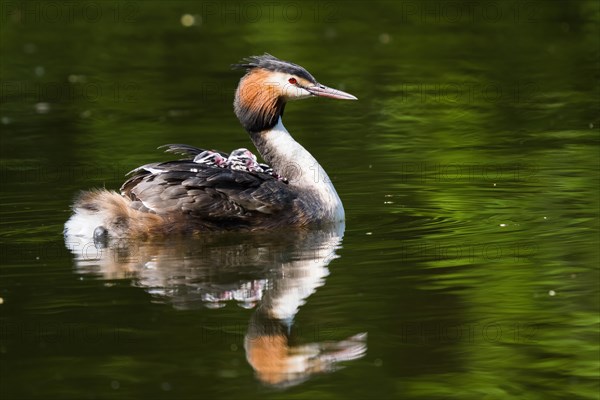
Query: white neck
289, 159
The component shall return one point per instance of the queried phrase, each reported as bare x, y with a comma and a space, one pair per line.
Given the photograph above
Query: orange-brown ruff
257, 97
184, 196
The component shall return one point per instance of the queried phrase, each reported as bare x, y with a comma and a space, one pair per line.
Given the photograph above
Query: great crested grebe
215, 191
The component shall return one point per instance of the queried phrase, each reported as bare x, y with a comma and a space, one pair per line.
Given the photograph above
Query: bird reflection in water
271, 272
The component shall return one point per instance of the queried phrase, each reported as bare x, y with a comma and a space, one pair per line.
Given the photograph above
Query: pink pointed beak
324, 91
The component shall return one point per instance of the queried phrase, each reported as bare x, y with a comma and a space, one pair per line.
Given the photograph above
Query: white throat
305, 174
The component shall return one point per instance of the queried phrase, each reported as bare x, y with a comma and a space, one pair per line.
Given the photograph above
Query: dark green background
468, 170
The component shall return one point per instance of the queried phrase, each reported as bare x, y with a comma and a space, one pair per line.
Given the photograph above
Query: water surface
468, 266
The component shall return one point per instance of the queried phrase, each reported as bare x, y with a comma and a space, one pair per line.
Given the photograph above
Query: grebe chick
242, 160
210, 158
192, 196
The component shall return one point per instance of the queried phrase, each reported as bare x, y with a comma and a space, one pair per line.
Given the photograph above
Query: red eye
293, 81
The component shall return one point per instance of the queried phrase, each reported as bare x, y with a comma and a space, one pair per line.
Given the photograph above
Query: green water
468, 170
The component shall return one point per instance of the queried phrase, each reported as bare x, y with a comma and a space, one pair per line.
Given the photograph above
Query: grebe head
268, 84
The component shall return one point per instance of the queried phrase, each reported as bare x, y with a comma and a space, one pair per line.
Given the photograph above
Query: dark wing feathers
209, 193
187, 150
